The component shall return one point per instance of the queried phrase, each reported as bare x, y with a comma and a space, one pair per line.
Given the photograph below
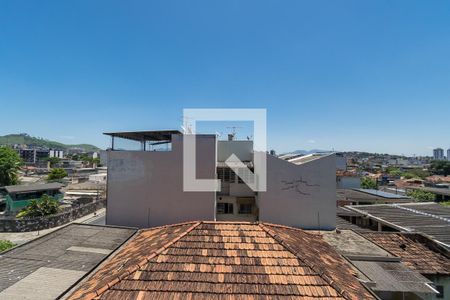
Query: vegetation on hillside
10, 163
25, 139
421, 195
38, 208
5, 245
413, 173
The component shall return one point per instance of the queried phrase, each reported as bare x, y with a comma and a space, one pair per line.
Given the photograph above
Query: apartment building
33, 156
145, 186
438, 154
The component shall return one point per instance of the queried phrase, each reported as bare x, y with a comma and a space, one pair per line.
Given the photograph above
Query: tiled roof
414, 251
217, 260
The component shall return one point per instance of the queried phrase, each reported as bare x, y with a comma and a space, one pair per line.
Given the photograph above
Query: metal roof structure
369, 196
143, 136
393, 277
343, 224
431, 219
382, 194
11, 189
307, 158
379, 269
46, 267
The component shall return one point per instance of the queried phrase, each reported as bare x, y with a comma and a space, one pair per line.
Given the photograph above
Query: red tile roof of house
416, 251
217, 260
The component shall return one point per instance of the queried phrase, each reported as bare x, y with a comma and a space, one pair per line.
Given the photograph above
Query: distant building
145, 188
438, 154
17, 197
448, 154
56, 153
33, 156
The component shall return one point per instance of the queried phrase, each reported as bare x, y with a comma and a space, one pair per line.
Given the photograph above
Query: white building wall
300, 195
145, 189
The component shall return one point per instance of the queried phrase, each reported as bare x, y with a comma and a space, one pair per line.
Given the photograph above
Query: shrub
39, 208
421, 195
56, 174
5, 245
369, 183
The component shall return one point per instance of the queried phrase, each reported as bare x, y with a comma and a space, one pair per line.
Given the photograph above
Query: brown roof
438, 178
416, 251
217, 260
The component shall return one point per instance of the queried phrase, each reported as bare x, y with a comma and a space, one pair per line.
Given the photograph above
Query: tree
39, 208
440, 167
419, 173
368, 183
10, 163
53, 161
56, 174
420, 195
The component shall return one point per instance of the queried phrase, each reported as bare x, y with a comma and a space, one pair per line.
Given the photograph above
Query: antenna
232, 135
187, 126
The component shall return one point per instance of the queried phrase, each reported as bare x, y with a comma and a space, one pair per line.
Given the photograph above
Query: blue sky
349, 75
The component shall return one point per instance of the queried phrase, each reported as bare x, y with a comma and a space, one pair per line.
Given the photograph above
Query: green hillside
25, 139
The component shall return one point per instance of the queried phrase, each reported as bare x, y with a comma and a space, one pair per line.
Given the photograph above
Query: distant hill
25, 139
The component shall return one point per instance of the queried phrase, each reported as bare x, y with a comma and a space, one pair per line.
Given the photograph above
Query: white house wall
300, 195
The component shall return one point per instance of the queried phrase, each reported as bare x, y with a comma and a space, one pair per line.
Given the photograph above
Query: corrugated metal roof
55, 252
427, 218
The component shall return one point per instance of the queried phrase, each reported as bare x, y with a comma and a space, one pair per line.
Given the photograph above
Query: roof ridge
320, 272
144, 261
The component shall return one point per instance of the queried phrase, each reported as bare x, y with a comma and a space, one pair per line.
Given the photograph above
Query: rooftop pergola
155, 137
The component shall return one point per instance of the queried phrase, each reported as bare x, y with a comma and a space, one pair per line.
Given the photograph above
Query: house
145, 187
223, 260
17, 197
420, 254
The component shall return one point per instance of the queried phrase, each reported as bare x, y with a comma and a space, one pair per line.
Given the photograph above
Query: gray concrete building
145, 187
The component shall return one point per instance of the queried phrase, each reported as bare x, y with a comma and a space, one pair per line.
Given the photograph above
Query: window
245, 208
440, 289
225, 208
225, 174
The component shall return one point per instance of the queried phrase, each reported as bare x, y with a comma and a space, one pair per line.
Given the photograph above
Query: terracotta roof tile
211, 260
416, 251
